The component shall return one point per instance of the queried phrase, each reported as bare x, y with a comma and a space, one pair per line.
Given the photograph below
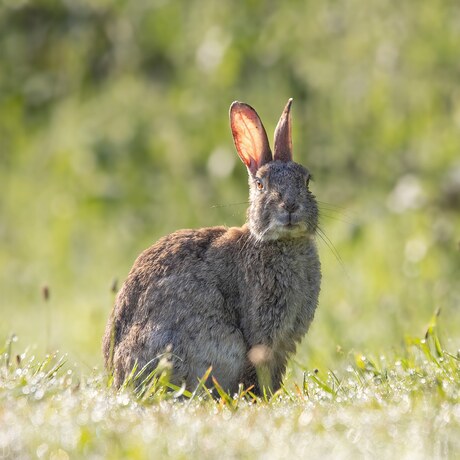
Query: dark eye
259, 184
307, 180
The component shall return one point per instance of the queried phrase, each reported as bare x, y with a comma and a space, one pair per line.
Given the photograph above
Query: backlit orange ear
249, 135
283, 137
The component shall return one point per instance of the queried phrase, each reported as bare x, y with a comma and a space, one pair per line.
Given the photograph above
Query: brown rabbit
238, 299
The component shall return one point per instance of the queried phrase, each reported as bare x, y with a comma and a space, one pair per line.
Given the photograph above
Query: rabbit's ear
283, 138
249, 135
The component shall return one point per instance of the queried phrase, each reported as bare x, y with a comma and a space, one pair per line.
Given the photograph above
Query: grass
120, 136
403, 404
126, 130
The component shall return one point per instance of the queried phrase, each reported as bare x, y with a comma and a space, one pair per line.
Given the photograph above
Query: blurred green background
114, 131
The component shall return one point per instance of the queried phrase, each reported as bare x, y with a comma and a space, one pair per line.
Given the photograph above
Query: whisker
337, 218
330, 205
246, 243
229, 204
320, 232
328, 209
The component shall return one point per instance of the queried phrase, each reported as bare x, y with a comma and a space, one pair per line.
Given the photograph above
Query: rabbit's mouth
284, 228
291, 226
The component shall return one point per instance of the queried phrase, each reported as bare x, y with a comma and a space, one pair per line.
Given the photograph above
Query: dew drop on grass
42, 449
305, 418
123, 399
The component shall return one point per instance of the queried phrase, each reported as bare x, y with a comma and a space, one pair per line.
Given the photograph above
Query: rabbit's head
281, 204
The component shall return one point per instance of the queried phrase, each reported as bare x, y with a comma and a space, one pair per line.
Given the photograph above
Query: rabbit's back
175, 299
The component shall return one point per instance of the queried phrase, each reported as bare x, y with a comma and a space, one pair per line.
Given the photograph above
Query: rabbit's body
230, 298
209, 321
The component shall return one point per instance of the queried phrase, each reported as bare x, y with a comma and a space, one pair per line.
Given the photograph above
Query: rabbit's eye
259, 185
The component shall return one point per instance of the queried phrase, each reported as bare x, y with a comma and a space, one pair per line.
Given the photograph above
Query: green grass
402, 404
114, 132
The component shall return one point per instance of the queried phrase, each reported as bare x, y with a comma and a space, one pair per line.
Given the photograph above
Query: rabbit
238, 299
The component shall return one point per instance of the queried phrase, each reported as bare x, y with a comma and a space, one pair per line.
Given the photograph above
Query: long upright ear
283, 137
249, 135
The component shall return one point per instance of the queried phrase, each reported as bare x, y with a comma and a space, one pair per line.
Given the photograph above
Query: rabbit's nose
290, 206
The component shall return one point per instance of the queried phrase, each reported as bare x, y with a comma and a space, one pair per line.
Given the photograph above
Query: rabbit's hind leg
187, 354
144, 349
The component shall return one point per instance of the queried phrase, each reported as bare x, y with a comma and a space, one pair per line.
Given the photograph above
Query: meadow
402, 405
114, 131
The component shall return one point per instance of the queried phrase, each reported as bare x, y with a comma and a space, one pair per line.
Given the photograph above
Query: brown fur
218, 296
